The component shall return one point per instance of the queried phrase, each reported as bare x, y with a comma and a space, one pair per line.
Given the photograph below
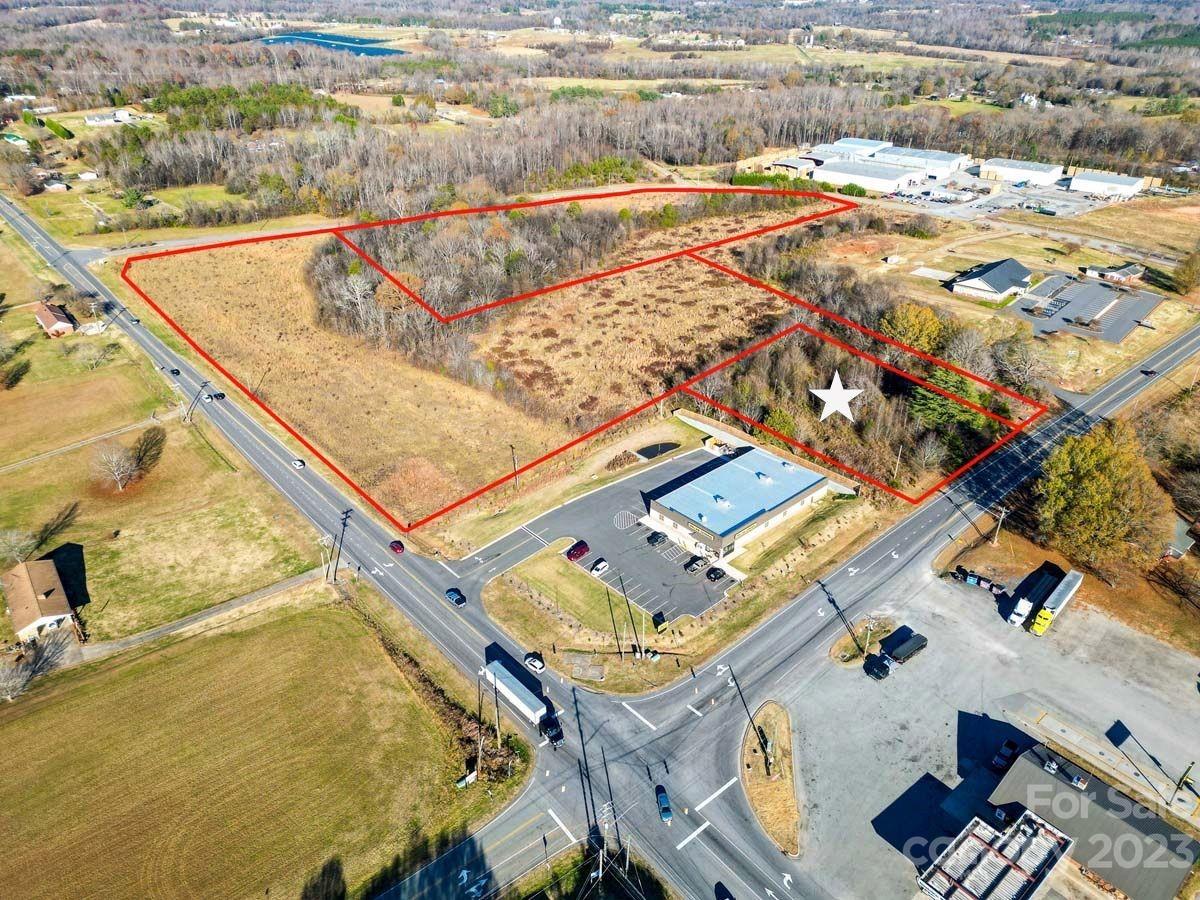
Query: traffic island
769, 776
868, 632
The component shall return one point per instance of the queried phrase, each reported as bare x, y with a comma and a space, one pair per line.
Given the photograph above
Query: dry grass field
234, 763
194, 531
85, 402
418, 440
19, 281
1172, 226
771, 789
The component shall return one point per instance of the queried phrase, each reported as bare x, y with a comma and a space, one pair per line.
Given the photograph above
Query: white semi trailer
534, 708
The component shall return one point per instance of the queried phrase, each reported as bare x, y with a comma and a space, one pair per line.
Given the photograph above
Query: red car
577, 551
396, 547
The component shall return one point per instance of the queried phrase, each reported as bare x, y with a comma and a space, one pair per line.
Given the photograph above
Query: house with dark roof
36, 600
1123, 274
53, 319
1116, 838
995, 281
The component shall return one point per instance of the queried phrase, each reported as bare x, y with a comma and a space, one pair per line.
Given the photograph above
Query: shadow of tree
148, 448
328, 884
14, 374
57, 524
431, 866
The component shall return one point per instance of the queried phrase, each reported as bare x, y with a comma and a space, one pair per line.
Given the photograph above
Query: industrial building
821, 154
935, 163
1154, 857
1106, 184
717, 513
982, 863
1019, 170
859, 147
871, 176
794, 166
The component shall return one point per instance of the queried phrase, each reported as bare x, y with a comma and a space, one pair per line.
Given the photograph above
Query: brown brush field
418, 440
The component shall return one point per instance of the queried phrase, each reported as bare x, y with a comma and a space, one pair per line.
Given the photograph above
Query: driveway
889, 767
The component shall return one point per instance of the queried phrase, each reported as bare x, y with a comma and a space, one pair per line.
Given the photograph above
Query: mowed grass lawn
229, 764
199, 528
1172, 226
18, 281
61, 400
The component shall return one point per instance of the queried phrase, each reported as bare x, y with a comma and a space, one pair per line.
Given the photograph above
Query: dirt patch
868, 633
768, 774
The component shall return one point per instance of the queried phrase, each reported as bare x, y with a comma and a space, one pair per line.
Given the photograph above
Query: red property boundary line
690, 252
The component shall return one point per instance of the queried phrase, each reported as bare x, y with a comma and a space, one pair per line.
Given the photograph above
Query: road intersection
599, 787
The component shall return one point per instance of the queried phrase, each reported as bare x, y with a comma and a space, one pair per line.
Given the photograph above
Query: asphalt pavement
600, 784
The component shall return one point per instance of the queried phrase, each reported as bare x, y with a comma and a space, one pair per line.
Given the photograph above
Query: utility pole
479, 721
612, 615
637, 643
896, 471
496, 697
341, 541
999, 523
516, 478
187, 415
841, 615
1183, 779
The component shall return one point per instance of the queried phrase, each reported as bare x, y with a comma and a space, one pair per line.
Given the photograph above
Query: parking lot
608, 520
888, 767
975, 200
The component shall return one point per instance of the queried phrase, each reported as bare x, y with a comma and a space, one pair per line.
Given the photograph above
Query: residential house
37, 602
1123, 274
1181, 539
994, 281
53, 319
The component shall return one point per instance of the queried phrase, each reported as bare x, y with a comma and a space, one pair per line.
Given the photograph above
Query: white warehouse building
935, 163
1018, 170
861, 147
1106, 184
872, 176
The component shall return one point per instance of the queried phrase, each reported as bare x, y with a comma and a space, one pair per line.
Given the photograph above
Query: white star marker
836, 398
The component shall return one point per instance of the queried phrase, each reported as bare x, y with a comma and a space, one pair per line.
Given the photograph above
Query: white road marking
696, 711
715, 794
642, 718
544, 743
447, 568
691, 836
559, 823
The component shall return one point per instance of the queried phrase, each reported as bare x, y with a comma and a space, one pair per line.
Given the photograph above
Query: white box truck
1041, 587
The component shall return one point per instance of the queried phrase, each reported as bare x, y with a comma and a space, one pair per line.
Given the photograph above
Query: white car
297, 464
535, 662
208, 398
599, 567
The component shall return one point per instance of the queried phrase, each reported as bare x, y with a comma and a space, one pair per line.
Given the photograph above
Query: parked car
297, 464
694, 565
457, 597
578, 551
599, 567
1004, 756
534, 662
715, 574
396, 546
656, 538
878, 666
664, 804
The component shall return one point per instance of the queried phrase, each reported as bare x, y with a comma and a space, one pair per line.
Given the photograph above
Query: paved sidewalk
103, 649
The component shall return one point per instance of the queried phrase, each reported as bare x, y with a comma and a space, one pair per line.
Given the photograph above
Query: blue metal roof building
752, 491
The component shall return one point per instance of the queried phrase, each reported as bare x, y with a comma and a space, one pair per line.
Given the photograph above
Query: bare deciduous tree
39, 659
115, 465
15, 545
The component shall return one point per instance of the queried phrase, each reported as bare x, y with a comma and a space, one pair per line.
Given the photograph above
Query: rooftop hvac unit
701, 517
764, 477
722, 502
1051, 766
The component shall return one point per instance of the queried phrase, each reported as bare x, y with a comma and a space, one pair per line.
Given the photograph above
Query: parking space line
638, 715
687, 840
715, 794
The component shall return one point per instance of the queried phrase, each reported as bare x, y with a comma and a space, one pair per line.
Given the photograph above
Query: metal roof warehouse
723, 507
